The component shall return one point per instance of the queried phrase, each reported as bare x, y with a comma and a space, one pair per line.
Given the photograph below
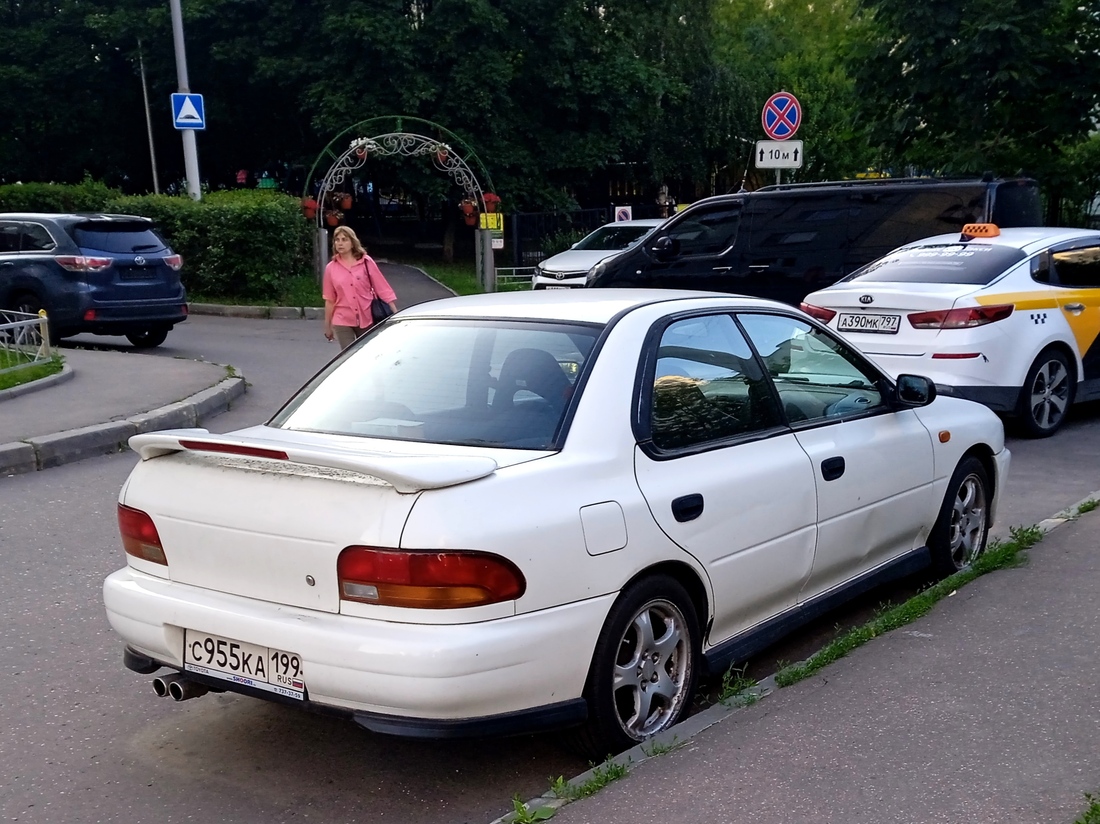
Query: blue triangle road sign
188, 111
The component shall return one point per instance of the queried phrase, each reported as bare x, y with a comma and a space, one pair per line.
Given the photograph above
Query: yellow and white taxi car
1005, 317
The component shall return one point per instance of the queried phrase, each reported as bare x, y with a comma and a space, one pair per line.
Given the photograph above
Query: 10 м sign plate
254, 666
779, 154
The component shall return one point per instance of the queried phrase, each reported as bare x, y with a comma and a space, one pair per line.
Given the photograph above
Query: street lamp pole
190, 149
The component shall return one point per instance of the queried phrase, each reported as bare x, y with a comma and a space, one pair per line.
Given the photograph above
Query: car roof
73, 217
580, 305
646, 222
1028, 239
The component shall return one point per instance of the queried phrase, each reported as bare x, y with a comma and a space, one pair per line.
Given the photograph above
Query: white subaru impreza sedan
507, 512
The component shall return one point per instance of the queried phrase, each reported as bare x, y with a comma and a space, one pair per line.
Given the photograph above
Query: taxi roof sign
973, 230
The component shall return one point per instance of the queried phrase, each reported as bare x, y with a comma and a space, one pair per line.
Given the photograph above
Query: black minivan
783, 242
107, 274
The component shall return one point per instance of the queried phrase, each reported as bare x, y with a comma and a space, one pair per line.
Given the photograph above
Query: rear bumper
522, 672
997, 398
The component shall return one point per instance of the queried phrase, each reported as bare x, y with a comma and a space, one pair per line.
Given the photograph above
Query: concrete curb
66, 374
46, 451
687, 729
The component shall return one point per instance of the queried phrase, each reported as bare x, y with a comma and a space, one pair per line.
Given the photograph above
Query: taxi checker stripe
1085, 327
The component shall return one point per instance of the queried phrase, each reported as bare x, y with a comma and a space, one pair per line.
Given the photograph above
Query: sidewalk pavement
102, 398
985, 710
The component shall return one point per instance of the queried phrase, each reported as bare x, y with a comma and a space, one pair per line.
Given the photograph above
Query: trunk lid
272, 529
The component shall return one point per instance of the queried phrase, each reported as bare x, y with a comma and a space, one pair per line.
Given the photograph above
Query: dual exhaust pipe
178, 687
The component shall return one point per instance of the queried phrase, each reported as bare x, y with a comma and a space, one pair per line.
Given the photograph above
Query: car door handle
687, 507
721, 268
760, 266
1074, 308
832, 468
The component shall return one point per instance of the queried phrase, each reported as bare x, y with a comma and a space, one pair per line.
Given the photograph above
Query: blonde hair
356, 247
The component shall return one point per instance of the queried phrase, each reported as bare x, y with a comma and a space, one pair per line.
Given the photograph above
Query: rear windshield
467, 382
965, 263
117, 238
614, 237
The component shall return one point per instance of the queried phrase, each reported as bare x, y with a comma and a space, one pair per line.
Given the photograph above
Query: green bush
241, 245
245, 245
89, 196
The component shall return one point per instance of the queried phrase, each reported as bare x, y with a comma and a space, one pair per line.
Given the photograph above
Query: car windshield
117, 238
613, 237
965, 263
467, 382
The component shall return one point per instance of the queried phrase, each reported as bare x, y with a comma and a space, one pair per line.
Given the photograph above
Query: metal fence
24, 340
519, 277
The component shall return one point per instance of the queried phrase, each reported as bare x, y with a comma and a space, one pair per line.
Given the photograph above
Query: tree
965, 86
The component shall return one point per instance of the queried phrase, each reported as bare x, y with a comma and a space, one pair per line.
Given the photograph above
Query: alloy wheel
966, 533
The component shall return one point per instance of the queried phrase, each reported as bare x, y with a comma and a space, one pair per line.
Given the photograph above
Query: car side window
35, 238
707, 231
1077, 267
817, 376
707, 385
9, 237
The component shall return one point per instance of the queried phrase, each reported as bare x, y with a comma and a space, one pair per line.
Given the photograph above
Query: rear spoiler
406, 473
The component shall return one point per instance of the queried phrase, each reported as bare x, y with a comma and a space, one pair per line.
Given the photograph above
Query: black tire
30, 304
1047, 395
962, 528
651, 645
148, 338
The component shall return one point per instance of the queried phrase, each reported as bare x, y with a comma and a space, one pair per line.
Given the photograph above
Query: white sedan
513, 511
568, 269
1006, 317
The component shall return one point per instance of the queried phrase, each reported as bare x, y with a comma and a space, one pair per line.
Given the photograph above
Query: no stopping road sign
782, 116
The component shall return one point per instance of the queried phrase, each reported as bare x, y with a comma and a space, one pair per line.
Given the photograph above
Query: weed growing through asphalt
522, 814
1088, 506
998, 556
601, 776
1092, 814
734, 690
655, 748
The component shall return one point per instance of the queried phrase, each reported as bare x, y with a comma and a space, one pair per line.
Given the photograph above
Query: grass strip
1092, 814
999, 555
26, 374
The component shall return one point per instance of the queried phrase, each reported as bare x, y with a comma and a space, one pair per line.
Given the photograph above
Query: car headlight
595, 272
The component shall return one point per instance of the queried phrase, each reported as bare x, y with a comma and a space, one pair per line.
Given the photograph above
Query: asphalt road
85, 740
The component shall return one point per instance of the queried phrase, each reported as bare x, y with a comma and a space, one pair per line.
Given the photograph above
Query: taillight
427, 580
82, 263
174, 261
965, 318
234, 449
819, 312
139, 535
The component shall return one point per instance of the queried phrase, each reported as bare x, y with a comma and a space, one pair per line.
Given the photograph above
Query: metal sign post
190, 149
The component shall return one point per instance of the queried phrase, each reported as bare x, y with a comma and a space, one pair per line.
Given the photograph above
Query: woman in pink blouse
352, 279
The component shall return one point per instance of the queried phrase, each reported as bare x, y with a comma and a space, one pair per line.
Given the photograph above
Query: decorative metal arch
357, 150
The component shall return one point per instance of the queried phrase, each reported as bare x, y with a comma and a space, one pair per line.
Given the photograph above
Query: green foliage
522, 814
1092, 814
735, 688
25, 374
1088, 506
247, 244
965, 86
601, 776
998, 556
87, 196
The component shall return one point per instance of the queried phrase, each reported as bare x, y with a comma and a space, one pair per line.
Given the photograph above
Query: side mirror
665, 248
914, 390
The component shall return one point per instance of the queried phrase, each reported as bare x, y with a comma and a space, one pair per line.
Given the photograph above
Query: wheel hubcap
1049, 394
968, 522
651, 670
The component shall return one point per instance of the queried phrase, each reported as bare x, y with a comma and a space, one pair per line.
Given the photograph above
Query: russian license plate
882, 324
559, 287
263, 668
